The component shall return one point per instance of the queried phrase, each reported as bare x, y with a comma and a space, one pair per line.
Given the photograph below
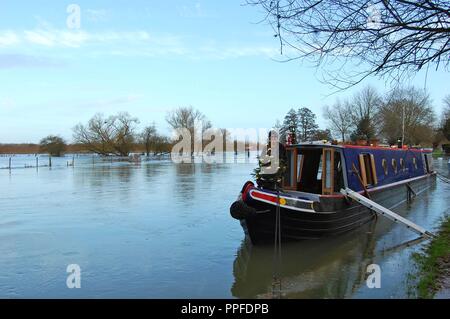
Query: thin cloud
10, 61
8, 38
96, 15
78, 38
7, 103
133, 44
112, 102
191, 11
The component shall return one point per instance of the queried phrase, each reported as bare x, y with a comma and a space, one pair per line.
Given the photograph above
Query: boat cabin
325, 169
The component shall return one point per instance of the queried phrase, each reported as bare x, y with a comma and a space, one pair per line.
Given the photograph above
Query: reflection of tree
105, 178
152, 170
185, 183
124, 173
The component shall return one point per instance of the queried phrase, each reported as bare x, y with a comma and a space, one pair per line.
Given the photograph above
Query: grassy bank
434, 263
438, 153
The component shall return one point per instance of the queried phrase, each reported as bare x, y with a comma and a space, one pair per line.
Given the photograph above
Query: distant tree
365, 106
364, 130
52, 145
148, 138
320, 135
306, 124
188, 118
162, 144
289, 126
339, 118
226, 136
447, 106
445, 124
446, 129
105, 136
418, 112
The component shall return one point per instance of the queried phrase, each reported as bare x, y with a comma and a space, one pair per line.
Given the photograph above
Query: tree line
118, 135
368, 116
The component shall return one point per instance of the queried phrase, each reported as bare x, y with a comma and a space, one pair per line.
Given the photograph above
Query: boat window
402, 164
290, 177
385, 166
428, 163
327, 171
293, 173
368, 170
338, 173
394, 165
415, 163
299, 166
319, 171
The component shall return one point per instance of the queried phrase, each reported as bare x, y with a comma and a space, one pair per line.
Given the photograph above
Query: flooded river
159, 229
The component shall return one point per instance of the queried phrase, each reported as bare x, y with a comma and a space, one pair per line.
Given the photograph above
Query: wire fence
27, 161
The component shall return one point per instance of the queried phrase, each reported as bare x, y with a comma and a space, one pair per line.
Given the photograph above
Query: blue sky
148, 57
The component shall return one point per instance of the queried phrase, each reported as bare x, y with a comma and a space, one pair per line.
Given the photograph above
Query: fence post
9, 163
37, 162
49, 161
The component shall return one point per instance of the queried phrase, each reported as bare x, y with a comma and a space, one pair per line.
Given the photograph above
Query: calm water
163, 230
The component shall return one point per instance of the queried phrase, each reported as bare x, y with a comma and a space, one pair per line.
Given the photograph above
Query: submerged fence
17, 161
36, 161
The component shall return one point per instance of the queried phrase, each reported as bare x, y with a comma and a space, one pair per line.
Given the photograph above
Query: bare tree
445, 122
53, 145
162, 144
366, 104
320, 135
339, 118
418, 113
362, 37
189, 118
105, 136
447, 106
149, 138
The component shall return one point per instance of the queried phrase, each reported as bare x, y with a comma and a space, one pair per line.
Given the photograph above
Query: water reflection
329, 268
163, 230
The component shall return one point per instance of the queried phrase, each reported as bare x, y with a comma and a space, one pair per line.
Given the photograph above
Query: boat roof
349, 146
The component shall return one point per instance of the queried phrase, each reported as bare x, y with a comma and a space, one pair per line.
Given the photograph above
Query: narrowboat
309, 199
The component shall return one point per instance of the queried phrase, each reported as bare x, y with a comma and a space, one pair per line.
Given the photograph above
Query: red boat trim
386, 148
375, 189
272, 199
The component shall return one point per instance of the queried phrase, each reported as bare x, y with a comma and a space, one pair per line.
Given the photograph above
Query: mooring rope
276, 280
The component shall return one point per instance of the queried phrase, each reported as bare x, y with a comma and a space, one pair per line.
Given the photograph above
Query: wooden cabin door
328, 171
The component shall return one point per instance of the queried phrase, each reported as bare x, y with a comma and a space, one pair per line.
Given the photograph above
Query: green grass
432, 261
438, 153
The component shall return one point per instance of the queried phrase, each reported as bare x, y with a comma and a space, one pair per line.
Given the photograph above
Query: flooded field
158, 229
